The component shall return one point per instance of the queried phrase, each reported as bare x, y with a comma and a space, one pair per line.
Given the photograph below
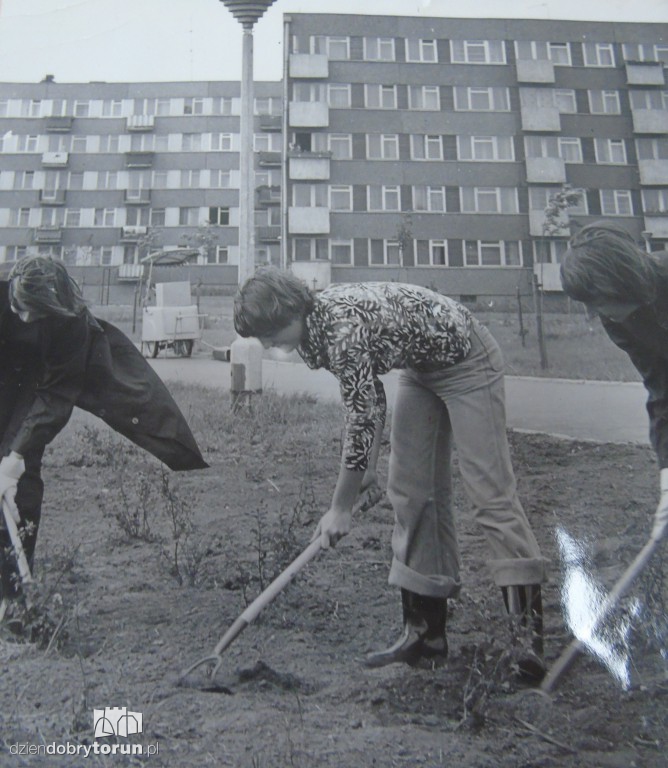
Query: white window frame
341, 243
655, 200
344, 140
336, 90
565, 101
649, 99
426, 98
340, 197
221, 142
430, 249
329, 45
26, 143
494, 94
601, 101
598, 54
652, 149
616, 202
190, 178
379, 49
107, 217
434, 198
388, 146
421, 50
503, 251
569, 143
426, 147
608, 152
539, 199
505, 200
389, 197
465, 51
378, 96
468, 148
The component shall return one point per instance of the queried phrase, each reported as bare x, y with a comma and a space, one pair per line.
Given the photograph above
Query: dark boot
525, 603
423, 637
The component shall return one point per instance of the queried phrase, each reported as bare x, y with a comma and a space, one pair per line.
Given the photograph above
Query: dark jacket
50, 366
644, 337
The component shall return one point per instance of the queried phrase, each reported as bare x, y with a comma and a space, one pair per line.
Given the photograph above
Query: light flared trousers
464, 403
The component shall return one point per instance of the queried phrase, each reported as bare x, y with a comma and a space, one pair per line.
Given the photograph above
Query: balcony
131, 234
657, 224
130, 272
645, 73
137, 196
540, 119
537, 221
650, 120
271, 123
59, 124
653, 171
535, 71
306, 65
308, 220
140, 123
309, 165
52, 196
309, 114
268, 196
548, 276
51, 233
269, 234
139, 159
269, 159
55, 159
546, 170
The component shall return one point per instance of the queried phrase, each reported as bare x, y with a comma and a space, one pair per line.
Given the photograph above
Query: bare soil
115, 627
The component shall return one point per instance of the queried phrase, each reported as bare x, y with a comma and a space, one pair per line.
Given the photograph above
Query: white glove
661, 516
11, 469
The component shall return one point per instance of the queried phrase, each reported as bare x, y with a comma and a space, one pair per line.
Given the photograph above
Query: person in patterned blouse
450, 389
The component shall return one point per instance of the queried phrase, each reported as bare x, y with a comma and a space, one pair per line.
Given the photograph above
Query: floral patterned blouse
360, 331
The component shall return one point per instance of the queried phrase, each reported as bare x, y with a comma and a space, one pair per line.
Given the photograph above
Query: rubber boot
525, 602
423, 638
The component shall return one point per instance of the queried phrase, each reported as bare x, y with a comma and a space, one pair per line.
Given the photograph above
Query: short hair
269, 301
42, 284
603, 262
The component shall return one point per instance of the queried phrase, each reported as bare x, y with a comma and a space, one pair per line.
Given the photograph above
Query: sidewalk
582, 410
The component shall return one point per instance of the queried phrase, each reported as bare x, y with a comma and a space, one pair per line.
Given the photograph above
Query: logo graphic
116, 721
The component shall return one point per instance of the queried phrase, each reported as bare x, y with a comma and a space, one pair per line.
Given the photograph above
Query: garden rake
21, 559
565, 661
254, 609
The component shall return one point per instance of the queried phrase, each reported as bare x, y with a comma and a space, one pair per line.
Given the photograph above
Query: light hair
42, 284
604, 263
269, 301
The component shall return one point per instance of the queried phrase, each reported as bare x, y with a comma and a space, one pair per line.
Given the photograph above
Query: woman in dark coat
628, 288
55, 355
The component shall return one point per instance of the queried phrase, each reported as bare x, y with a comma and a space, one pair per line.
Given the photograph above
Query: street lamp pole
246, 354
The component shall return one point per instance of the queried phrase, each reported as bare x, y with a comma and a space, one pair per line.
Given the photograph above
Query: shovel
564, 662
254, 609
21, 559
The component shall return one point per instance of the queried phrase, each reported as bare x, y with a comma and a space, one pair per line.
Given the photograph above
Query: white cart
173, 323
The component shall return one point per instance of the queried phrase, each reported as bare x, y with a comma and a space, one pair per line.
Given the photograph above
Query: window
604, 103
540, 197
489, 200
432, 253
15, 252
385, 253
379, 49
220, 179
485, 148
4, 107
655, 200
652, 149
31, 108
559, 54
189, 217
222, 106
190, 178
191, 142
24, 179
157, 217
218, 255
424, 97
421, 50
109, 144
481, 99
73, 217
19, 217
219, 216
478, 52
51, 217
382, 146
58, 143
104, 217
340, 145
341, 198
335, 48
221, 142
428, 198
549, 251
137, 216
338, 95
309, 195
75, 180
429, 147
649, 99
380, 96
383, 198
565, 101
567, 148
160, 180
341, 252
616, 202
112, 108
193, 106
302, 91
81, 108
309, 249
645, 52
485, 253
599, 55
107, 180
26, 143
610, 151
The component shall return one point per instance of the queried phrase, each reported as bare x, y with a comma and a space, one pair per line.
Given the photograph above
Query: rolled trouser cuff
429, 586
516, 571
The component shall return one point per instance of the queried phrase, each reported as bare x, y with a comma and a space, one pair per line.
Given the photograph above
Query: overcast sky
152, 40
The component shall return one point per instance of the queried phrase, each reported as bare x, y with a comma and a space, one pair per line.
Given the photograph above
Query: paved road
583, 410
